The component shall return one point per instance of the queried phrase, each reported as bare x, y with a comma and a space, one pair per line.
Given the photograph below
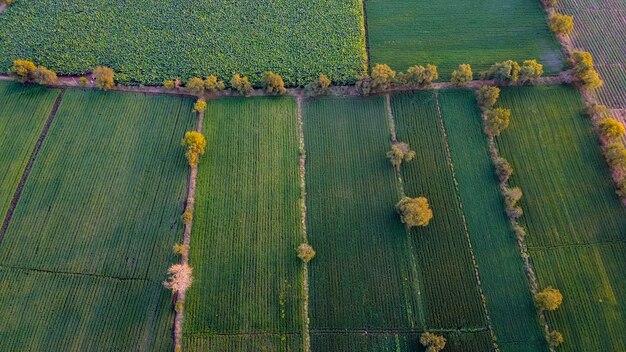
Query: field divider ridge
71, 273
306, 336
29, 165
411, 248
457, 194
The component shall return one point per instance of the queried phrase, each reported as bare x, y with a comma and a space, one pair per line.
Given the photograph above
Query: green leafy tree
504, 71
305, 252
195, 85
44, 76
199, 106
487, 96
273, 83
105, 77
562, 24
212, 84
585, 71
611, 128
169, 84
399, 153
432, 342
555, 339
195, 143
496, 121
241, 84
462, 75
382, 76
421, 76
414, 211
23, 70
548, 299
531, 70
320, 85
615, 155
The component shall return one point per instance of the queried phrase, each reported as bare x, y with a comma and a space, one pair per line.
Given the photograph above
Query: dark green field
247, 292
403, 33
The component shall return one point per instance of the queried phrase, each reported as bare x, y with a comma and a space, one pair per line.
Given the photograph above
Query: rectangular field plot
247, 291
23, 114
148, 41
500, 266
441, 248
105, 193
403, 33
569, 197
44, 311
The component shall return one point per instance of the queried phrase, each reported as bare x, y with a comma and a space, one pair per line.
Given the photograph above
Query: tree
511, 197
611, 128
364, 85
44, 76
496, 121
487, 96
23, 70
597, 110
195, 85
548, 299
212, 84
180, 278
504, 71
320, 85
621, 187
562, 24
555, 339
105, 77
273, 83
615, 155
241, 84
169, 84
462, 75
584, 70
432, 342
503, 169
552, 3
531, 69
414, 211
400, 152
196, 145
199, 106
422, 76
305, 252
382, 76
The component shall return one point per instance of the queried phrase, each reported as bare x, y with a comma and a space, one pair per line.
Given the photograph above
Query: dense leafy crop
149, 41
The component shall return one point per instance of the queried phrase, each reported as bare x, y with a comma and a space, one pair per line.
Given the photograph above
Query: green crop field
91, 236
22, 117
368, 276
599, 28
147, 41
575, 222
403, 33
501, 271
247, 291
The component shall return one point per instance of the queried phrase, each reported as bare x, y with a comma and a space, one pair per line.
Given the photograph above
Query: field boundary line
397, 331
306, 337
411, 248
244, 334
574, 245
29, 165
367, 38
71, 273
457, 193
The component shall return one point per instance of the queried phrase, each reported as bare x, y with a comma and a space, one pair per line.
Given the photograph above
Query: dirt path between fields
3, 7
29, 166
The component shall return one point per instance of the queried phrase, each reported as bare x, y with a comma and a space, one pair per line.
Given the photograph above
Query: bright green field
247, 278
403, 33
149, 41
90, 240
575, 222
22, 116
500, 265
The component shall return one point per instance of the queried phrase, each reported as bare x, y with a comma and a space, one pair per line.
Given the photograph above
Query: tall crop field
90, 239
22, 116
403, 33
247, 293
575, 222
499, 263
148, 41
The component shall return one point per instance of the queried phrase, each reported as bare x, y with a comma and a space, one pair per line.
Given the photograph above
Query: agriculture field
575, 222
599, 28
403, 33
247, 291
22, 117
148, 41
90, 239
501, 271
371, 289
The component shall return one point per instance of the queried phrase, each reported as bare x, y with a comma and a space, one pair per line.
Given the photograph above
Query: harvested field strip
403, 33
247, 277
60, 312
503, 281
105, 193
592, 279
22, 118
362, 276
569, 197
444, 259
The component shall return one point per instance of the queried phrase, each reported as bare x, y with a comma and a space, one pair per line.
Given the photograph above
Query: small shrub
548, 299
562, 24
320, 85
179, 278
585, 71
552, 3
621, 187
597, 111
503, 169
432, 342
615, 155
23, 71
83, 81
512, 196
420, 75
273, 83
180, 306
496, 121
610, 128
241, 84
305, 252
212, 84
178, 248
199, 106
462, 75
504, 71
520, 232
400, 152
195, 85
364, 85
169, 84
531, 70
44, 76
187, 216
105, 77
382, 76
414, 211
487, 96
555, 339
